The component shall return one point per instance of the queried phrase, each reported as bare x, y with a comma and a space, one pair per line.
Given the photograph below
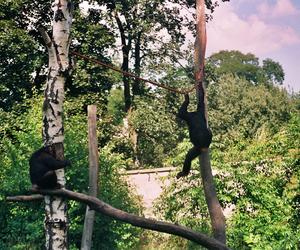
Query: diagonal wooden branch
106, 209
25, 198
45, 36
49, 44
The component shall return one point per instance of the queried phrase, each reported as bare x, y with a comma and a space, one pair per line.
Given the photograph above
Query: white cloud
250, 34
281, 8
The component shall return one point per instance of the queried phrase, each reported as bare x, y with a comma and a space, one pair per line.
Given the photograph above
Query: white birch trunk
56, 222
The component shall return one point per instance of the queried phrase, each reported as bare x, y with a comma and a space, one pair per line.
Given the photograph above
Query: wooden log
86, 241
160, 226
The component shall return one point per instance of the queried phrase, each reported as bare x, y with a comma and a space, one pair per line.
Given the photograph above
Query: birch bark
56, 223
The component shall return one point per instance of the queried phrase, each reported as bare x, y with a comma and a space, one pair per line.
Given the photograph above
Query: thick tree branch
35, 197
106, 209
45, 36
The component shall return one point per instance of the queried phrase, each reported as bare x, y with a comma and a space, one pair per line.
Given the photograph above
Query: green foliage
21, 224
18, 61
105, 123
111, 234
235, 62
259, 179
157, 131
265, 192
115, 105
183, 203
92, 39
273, 71
108, 233
245, 66
24, 58
237, 108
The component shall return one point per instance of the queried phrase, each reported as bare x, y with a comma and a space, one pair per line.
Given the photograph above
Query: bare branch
35, 197
106, 209
45, 36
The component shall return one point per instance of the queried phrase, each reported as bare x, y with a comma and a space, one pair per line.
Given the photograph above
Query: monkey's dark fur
42, 168
200, 134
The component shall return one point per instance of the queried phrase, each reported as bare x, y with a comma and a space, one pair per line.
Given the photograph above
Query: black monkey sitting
200, 134
42, 168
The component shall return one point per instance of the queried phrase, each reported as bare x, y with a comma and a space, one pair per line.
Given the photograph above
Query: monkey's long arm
182, 112
201, 103
54, 164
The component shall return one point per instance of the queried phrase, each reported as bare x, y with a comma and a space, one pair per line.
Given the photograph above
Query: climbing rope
179, 91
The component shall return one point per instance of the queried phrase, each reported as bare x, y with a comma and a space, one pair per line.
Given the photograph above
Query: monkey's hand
67, 163
181, 174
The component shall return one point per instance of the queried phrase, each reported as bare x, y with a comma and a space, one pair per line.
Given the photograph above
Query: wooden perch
24, 198
106, 209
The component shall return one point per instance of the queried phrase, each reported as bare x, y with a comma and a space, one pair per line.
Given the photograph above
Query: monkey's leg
191, 155
48, 180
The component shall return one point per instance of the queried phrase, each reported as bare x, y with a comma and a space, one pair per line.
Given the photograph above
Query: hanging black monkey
42, 168
200, 134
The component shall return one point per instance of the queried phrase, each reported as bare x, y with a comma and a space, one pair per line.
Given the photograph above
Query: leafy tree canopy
246, 66
16, 79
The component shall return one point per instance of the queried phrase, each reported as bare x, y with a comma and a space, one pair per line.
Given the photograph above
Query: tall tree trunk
126, 47
214, 207
137, 87
215, 211
53, 132
126, 80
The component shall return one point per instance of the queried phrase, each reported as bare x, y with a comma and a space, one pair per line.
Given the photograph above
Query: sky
266, 28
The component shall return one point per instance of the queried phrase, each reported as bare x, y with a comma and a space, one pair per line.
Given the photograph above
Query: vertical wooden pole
199, 52
215, 210
214, 207
86, 242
